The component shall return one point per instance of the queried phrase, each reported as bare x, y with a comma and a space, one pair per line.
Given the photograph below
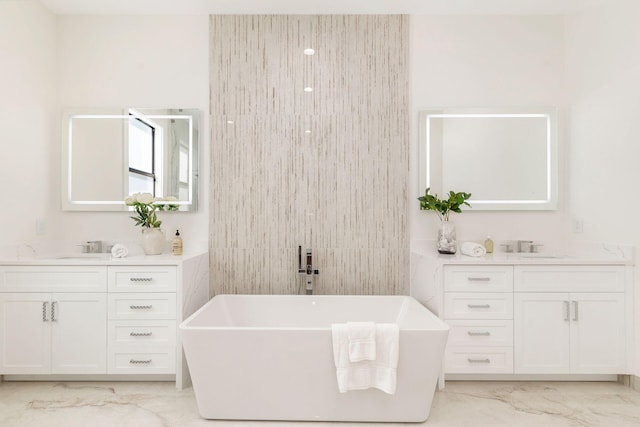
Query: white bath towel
473, 249
362, 341
119, 251
379, 373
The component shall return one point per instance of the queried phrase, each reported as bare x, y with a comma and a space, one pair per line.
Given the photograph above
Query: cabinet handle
53, 311
487, 360
140, 279
479, 279
140, 307
44, 311
566, 311
575, 310
478, 333
140, 362
141, 334
479, 305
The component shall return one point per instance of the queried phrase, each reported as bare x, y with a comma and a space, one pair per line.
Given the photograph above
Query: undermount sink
541, 256
84, 256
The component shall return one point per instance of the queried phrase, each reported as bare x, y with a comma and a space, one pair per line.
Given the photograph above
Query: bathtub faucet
308, 270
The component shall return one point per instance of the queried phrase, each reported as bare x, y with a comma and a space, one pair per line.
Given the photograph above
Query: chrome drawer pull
478, 305
140, 362
140, 307
479, 333
575, 310
141, 334
479, 279
44, 311
53, 312
487, 360
566, 311
140, 279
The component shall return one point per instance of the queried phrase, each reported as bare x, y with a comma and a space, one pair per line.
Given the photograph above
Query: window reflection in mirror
506, 158
110, 154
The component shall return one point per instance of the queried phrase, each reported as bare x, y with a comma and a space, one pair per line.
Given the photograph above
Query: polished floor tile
465, 404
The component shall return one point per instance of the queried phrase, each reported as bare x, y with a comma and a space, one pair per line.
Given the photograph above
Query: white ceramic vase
153, 240
447, 238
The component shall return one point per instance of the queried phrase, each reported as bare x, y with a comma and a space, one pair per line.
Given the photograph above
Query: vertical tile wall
340, 189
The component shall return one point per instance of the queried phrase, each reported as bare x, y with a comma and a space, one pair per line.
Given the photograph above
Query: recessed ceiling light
308, 89
309, 51
229, 122
307, 131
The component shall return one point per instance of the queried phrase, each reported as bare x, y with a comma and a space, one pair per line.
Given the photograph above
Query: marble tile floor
468, 404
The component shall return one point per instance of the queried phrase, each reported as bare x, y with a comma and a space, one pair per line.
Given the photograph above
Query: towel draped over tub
362, 371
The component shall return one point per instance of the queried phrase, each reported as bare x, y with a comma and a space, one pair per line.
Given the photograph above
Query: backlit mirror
108, 154
506, 158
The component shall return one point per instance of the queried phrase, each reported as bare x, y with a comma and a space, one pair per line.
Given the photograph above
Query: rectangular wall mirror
506, 158
108, 154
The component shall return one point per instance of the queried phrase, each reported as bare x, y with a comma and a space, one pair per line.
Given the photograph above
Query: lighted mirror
110, 154
506, 158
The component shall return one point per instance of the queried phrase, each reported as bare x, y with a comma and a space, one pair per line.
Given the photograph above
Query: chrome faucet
308, 271
92, 247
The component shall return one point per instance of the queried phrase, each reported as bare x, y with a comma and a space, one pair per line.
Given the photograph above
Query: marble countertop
101, 259
601, 254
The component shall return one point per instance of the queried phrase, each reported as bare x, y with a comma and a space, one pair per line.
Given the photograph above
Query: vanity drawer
578, 278
470, 305
142, 332
161, 360
142, 279
142, 306
43, 278
479, 360
478, 278
483, 333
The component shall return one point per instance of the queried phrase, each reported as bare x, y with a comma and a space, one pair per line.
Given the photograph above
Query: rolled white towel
119, 251
473, 249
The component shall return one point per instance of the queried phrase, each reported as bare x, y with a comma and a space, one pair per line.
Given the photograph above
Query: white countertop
101, 259
600, 254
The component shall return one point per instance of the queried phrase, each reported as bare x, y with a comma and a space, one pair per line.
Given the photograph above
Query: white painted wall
27, 111
603, 69
487, 61
54, 62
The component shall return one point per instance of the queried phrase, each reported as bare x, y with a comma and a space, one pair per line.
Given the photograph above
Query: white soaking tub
270, 357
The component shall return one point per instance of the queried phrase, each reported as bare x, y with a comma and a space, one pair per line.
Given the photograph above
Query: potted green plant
443, 207
145, 207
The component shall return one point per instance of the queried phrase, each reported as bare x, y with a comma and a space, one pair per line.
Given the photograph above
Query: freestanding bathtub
270, 357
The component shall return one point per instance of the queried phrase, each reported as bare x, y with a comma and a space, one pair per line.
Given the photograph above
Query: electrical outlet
578, 225
41, 227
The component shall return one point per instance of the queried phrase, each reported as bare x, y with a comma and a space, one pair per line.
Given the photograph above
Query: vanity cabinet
563, 330
478, 306
142, 319
53, 332
113, 319
535, 319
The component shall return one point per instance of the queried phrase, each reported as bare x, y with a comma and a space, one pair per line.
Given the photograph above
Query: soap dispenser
176, 244
488, 244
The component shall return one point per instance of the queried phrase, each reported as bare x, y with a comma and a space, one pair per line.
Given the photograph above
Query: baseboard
82, 377
531, 377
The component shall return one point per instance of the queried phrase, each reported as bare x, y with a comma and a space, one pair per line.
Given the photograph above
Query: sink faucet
308, 271
525, 245
92, 247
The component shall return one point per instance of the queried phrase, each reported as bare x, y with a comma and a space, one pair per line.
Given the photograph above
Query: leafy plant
443, 207
145, 206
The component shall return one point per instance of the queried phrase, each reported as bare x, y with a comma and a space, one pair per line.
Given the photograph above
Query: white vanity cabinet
478, 306
106, 319
53, 332
536, 318
142, 319
575, 324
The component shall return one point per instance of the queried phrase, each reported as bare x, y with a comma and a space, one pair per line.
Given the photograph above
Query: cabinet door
597, 333
542, 330
79, 333
25, 333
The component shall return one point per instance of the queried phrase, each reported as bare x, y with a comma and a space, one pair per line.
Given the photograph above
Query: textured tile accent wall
340, 189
